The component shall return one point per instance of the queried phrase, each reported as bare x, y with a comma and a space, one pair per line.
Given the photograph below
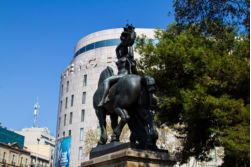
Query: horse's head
149, 83
105, 74
149, 88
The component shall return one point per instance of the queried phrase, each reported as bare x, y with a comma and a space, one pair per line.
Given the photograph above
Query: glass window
59, 120
63, 134
62, 89
85, 80
83, 97
82, 115
26, 162
67, 86
72, 100
80, 153
89, 47
66, 101
64, 119
13, 160
99, 44
60, 107
112, 42
21, 161
4, 155
81, 134
70, 121
82, 50
69, 133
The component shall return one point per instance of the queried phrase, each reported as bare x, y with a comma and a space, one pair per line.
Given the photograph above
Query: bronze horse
131, 99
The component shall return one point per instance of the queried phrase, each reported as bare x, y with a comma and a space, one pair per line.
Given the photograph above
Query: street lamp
37, 151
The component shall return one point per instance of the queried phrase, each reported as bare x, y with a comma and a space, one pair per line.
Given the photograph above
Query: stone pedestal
124, 155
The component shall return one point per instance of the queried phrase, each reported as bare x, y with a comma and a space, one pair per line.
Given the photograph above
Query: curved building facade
79, 80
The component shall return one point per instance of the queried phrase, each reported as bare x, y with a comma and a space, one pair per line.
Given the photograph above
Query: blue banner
63, 147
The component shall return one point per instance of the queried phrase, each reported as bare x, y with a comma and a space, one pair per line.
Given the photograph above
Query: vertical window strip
64, 119
85, 80
72, 100
70, 121
82, 115
67, 86
80, 153
81, 134
83, 97
66, 101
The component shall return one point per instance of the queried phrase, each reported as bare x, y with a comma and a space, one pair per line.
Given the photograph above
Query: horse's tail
97, 95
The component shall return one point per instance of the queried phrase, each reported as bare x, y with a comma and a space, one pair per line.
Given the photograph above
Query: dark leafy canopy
213, 15
203, 84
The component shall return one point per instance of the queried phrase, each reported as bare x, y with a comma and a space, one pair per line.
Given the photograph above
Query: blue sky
37, 40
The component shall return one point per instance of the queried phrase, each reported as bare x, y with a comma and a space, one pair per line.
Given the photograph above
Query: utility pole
37, 151
36, 109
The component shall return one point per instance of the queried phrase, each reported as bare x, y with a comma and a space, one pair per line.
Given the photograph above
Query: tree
213, 16
203, 84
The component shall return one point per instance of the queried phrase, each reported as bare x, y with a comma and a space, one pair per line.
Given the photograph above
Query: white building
40, 143
79, 80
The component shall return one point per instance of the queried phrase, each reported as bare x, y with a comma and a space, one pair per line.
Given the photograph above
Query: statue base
118, 154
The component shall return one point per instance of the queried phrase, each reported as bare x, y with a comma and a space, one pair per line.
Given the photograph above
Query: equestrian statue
128, 96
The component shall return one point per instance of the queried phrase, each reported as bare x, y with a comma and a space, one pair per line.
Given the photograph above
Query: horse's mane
105, 74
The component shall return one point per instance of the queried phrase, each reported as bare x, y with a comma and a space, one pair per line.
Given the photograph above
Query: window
70, 121
72, 100
112, 42
63, 134
21, 161
82, 115
81, 134
60, 107
67, 86
62, 89
4, 153
66, 101
13, 160
69, 133
83, 97
26, 162
64, 119
80, 153
85, 80
90, 47
99, 44
59, 120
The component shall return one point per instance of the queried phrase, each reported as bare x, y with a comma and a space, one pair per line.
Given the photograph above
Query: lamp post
37, 151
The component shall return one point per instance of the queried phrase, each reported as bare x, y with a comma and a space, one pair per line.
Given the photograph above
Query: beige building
14, 155
41, 145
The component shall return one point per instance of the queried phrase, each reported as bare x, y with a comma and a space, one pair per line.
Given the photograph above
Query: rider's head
128, 36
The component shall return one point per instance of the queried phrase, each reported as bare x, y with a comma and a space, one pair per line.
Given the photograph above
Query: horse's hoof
114, 138
100, 143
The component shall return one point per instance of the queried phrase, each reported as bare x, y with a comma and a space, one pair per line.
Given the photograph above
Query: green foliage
213, 15
203, 83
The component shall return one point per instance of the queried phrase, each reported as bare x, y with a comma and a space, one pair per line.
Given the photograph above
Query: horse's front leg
124, 118
102, 124
148, 117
